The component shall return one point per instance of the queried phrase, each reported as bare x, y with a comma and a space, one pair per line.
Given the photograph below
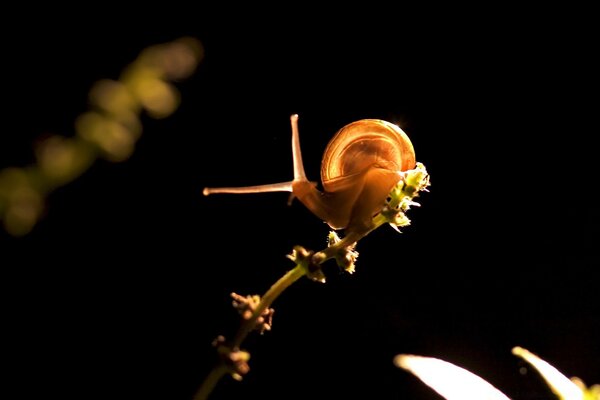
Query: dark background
120, 289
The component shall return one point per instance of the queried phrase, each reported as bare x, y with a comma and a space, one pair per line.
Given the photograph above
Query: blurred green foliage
108, 130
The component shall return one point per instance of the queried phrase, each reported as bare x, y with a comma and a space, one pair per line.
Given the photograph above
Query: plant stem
347, 241
329, 252
269, 297
247, 326
266, 300
211, 381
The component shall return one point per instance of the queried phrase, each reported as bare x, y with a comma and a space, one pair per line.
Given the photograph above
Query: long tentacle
299, 175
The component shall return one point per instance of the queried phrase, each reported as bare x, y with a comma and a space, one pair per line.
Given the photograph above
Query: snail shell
360, 166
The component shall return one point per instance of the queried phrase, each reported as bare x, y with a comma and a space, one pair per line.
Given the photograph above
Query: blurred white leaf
450, 381
562, 386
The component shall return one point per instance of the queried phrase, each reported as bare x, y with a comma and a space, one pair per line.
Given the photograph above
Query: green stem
379, 220
266, 300
269, 297
210, 382
347, 241
247, 326
330, 252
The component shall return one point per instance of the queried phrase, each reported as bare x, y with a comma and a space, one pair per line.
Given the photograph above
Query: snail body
361, 164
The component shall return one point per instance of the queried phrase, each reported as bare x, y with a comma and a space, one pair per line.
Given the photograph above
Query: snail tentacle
272, 187
299, 174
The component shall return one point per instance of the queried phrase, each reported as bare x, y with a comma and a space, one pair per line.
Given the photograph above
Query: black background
120, 289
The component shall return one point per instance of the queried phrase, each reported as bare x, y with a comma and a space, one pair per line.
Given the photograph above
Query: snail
361, 164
